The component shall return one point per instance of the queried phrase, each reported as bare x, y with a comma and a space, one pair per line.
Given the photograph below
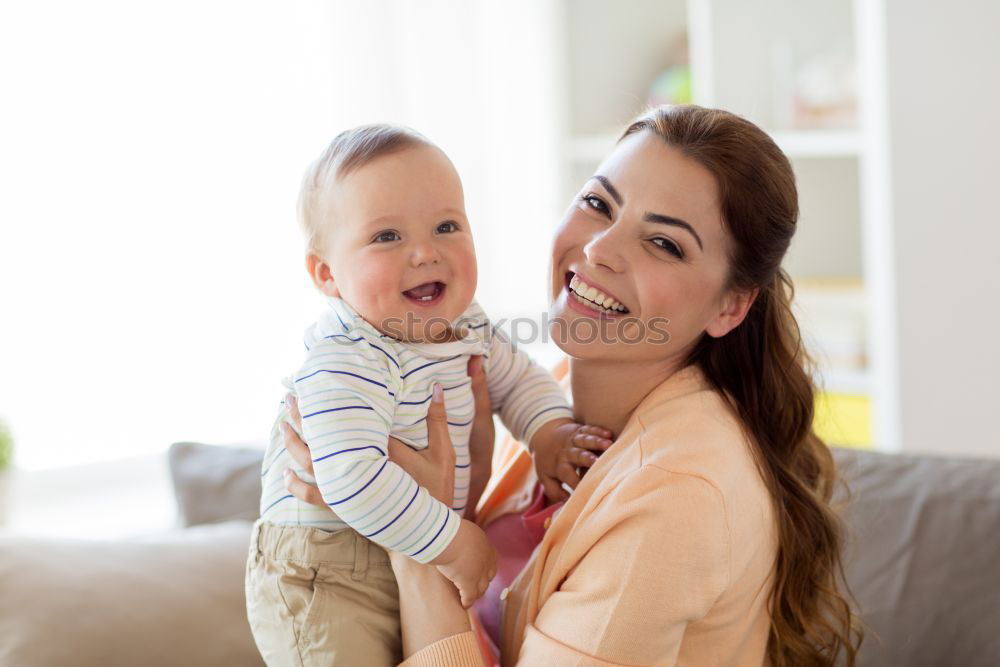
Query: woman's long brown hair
763, 370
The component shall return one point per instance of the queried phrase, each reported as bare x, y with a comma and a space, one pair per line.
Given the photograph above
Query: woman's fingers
296, 448
483, 434
401, 454
438, 438
480, 390
293, 409
305, 492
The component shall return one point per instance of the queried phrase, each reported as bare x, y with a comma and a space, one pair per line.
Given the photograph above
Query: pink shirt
514, 536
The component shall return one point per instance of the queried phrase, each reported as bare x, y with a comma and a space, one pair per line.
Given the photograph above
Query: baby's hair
349, 150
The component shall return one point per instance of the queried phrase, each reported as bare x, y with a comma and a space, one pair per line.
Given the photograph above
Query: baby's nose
425, 253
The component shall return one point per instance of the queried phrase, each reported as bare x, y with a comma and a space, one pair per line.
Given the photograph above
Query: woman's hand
482, 438
299, 451
432, 468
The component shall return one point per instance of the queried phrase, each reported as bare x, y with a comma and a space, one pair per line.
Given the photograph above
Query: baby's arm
346, 397
534, 409
524, 394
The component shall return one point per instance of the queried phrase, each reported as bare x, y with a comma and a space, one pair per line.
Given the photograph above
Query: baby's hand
469, 562
562, 446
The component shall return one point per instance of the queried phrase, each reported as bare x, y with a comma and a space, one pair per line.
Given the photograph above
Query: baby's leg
320, 598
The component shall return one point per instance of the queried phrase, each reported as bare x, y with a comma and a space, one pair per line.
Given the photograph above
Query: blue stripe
446, 515
454, 386
403, 544
367, 484
355, 449
465, 466
346, 407
360, 377
275, 503
353, 340
280, 452
346, 328
439, 361
342, 475
422, 419
397, 516
387, 497
370, 344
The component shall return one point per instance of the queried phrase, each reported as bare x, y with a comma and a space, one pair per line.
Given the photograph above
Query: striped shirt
357, 387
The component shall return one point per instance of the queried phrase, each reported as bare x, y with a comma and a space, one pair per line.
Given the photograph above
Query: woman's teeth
585, 293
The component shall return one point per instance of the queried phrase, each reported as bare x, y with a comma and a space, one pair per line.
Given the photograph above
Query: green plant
6, 446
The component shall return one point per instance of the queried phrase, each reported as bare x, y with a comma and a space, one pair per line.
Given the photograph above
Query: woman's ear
735, 306
322, 277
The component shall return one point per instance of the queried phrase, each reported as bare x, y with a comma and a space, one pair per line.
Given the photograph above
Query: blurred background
152, 274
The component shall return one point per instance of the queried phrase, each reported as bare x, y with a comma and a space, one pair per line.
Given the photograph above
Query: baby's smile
426, 294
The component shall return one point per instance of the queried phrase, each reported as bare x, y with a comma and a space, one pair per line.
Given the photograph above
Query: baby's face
399, 246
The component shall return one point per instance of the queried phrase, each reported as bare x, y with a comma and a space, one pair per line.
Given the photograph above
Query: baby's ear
321, 275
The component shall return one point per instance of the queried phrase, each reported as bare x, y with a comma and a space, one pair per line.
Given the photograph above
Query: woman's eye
447, 227
596, 203
385, 237
669, 246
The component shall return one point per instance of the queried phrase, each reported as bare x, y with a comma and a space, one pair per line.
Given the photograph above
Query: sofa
923, 562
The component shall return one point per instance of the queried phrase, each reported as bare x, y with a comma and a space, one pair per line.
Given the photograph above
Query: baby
391, 248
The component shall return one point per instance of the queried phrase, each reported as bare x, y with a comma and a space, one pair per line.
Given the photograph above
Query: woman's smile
585, 296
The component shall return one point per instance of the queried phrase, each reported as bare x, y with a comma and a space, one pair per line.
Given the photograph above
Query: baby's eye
447, 227
386, 237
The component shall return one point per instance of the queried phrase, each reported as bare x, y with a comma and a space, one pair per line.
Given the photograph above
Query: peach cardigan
663, 555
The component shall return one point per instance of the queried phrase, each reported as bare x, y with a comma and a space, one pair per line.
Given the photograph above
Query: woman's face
639, 264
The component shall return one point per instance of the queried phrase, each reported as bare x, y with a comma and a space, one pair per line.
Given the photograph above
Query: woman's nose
604, 250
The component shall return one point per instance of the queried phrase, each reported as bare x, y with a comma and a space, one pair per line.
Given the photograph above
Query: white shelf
818, 143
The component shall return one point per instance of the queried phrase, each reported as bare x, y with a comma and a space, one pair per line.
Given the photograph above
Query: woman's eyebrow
649, 217
610, 188
667, 220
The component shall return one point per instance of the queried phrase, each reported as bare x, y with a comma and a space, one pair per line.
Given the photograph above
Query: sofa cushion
215, 483
923, 557
176, 599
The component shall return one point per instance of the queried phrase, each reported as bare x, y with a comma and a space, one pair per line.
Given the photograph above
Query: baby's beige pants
321, 598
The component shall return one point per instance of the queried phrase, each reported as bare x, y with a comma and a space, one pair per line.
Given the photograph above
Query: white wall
943, 72
150, 264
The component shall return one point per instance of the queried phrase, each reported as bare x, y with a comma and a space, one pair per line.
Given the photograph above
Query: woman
703, 535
